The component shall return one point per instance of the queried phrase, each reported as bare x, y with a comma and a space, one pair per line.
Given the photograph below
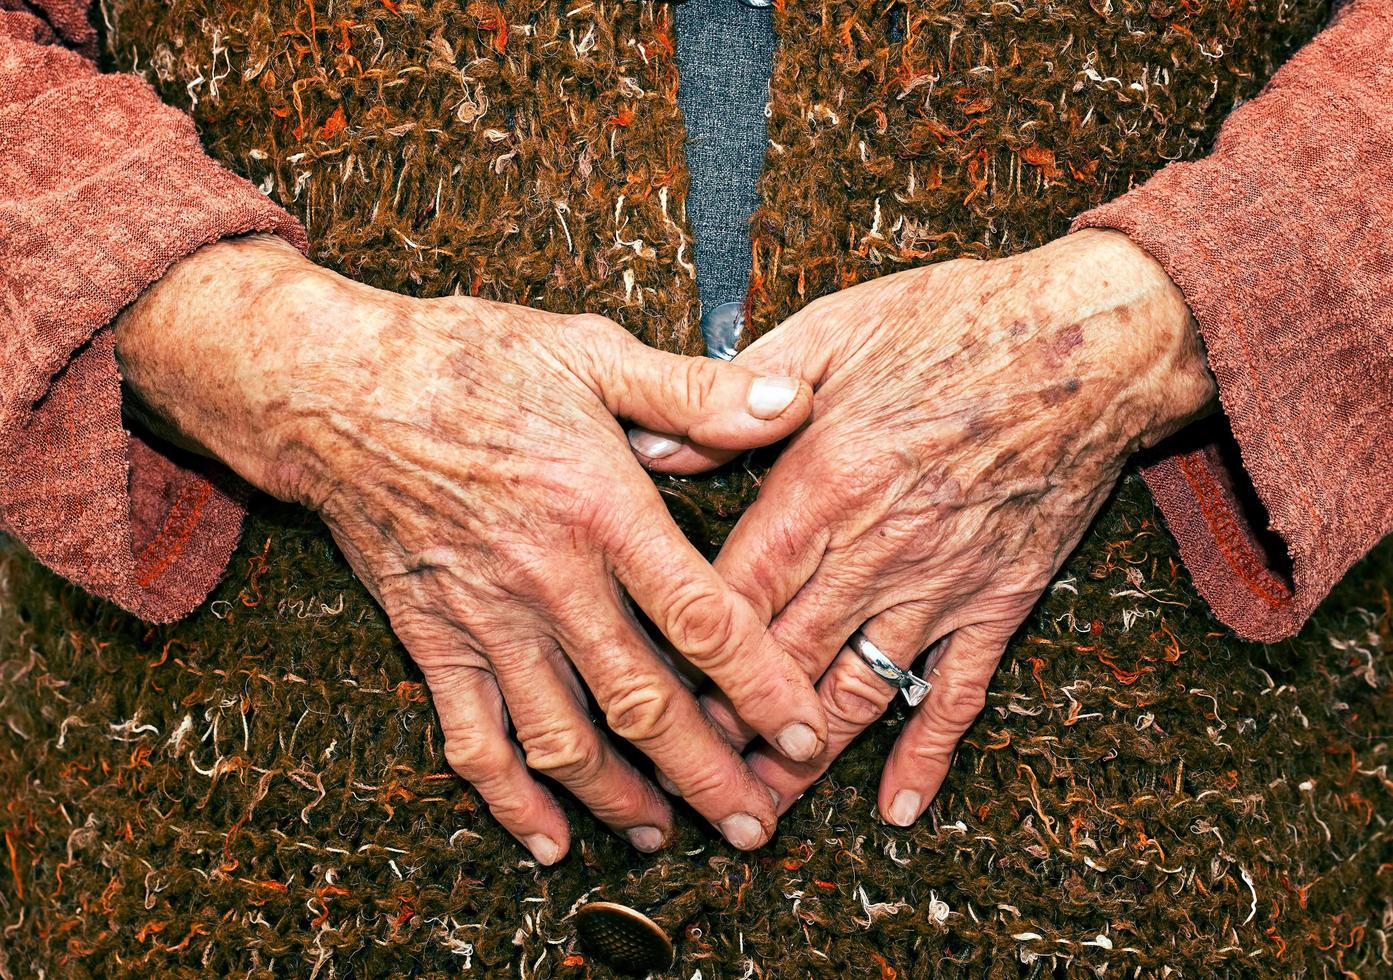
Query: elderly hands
466, 457
970, 419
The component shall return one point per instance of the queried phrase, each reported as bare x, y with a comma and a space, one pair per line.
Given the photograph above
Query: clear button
721, 327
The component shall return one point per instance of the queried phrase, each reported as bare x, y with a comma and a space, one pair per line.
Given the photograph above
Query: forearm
1150, 350
101, 191
1280, 242
197, 349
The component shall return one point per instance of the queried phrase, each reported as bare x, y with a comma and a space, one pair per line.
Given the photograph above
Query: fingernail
904, 808
775, 797
770, 396
798, 742
742, 830
668, 785
543, 848
652, 445
646, 839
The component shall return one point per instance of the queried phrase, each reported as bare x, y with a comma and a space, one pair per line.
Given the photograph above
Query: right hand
466, 456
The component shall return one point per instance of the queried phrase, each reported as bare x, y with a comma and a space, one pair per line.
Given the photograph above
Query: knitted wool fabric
260, 789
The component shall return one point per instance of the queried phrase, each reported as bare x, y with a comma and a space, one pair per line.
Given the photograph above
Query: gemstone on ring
913, 687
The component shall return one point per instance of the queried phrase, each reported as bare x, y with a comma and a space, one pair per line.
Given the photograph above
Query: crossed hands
953, 429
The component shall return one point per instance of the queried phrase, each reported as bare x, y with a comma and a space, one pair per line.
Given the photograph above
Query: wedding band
911, 686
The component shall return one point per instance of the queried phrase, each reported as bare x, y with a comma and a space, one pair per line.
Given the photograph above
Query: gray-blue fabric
725, 51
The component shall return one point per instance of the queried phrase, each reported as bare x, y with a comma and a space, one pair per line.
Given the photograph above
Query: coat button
720, 327
625, 938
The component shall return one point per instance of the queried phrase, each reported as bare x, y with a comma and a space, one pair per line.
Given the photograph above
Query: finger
676, 455
775, 552
853, 695
716, 630
645, 704
478, 748
924, 751
780, 540
562, 742
779, 355
792, 350
711, 402
812, 628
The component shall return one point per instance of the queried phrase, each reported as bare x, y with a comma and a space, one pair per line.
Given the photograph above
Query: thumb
782, 353
696, 407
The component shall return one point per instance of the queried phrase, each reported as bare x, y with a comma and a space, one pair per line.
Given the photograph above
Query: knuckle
931, 749
475, 756
959, 703
790, 535
574, 494
854, 703
525, 564
702, 784
826, 310
532, 572
595, 324
698, 378
701, 625
927, 756
431, 643
640, 712
510, 809
568, 756
593, 512
595, 341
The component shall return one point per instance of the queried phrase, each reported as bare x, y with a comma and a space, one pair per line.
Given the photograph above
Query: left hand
970, 419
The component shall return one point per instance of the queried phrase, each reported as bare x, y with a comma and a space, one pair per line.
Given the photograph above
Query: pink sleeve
102, 188
1282, 242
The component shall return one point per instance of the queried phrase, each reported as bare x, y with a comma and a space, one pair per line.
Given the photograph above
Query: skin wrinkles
1009, 395
466, 458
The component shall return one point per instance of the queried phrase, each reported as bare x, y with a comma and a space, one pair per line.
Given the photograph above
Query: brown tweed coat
1279, 239
259, 790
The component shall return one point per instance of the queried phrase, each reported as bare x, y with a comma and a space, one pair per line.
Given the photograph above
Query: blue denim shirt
724, 54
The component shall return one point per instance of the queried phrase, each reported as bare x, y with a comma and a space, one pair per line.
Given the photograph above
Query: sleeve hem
68, 475
1229, 570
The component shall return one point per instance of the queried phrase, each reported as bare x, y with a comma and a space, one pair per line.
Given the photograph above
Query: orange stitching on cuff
1230, 542
171, 540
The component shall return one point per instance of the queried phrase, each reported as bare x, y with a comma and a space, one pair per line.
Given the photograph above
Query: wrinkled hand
466, 457
970, 419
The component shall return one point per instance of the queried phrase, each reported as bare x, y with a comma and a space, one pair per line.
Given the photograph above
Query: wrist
217, 355
1147, 342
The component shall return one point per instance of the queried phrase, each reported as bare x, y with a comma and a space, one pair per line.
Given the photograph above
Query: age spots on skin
980, 425
1064, 344
1061, 392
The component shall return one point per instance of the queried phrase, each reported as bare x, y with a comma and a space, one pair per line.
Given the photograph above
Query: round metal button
624, 938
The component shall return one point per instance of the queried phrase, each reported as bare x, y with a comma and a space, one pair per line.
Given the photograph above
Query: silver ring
911, 686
